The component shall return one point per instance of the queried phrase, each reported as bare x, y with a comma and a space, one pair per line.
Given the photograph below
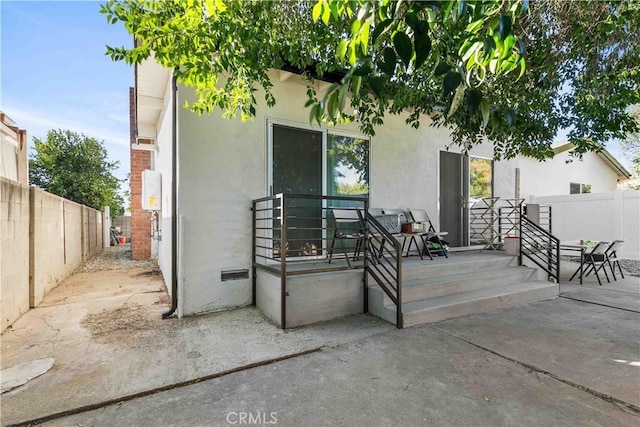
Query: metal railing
291, 235
544, 216
540, 246
385, 263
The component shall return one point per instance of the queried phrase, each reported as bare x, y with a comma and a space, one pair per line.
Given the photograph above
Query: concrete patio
572, 360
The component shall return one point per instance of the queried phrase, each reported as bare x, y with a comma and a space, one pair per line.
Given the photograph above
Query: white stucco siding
223, 167
162, 161
405, 166
553, 176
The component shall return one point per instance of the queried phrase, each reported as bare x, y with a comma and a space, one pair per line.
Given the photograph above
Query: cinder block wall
124, 222
14, 251
56, 242
44, 238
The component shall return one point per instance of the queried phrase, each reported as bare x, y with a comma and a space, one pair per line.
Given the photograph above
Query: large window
309, 161
299, 155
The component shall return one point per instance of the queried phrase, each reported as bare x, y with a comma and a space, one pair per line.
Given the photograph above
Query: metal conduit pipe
174, 201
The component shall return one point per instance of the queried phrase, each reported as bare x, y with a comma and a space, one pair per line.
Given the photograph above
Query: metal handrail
384, 263
539, 246
275, 247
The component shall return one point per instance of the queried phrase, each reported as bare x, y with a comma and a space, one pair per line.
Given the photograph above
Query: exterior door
464, 181
454, 191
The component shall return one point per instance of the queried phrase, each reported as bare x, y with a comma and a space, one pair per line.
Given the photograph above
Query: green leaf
353, 57
462, 8
364, 37
423, 48
380, 28
505, 27
493, 65
314, 114
486, 112
389, 64
457, 100
474, 47
474, 99
317, 10
355, 27
404, 48
441, 68
342, 96
342, 49
451, 81
489, 45
333, 7
474, 26
326, 14
523, 67
332, 105
356, 83
412, 20
376, 84
509, 42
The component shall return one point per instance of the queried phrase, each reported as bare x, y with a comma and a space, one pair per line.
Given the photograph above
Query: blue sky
54, 72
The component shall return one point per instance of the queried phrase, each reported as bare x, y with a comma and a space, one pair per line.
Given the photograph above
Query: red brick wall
140, 160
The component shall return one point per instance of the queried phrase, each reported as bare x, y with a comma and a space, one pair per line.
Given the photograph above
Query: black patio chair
347, 226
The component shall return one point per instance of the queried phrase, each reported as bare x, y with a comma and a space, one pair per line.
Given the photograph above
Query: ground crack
597, 303
608, 398
56, 330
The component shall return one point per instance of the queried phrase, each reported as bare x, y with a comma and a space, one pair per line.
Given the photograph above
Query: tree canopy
76, 167
513, 72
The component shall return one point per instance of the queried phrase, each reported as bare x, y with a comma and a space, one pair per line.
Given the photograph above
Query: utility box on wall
151, 190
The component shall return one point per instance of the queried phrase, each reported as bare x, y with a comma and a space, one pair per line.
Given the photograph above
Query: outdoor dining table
578, 246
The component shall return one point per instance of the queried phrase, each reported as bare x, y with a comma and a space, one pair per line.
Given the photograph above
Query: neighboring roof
608, 158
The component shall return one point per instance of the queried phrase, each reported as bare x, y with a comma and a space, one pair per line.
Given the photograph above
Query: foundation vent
234, 275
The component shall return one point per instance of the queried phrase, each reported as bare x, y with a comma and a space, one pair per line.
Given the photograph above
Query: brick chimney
140, 220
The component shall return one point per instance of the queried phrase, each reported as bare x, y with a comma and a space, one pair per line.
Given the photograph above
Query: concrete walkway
564, 361
105, 332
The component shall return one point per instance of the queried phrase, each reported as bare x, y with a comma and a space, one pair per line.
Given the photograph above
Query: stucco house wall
553, 176
223, 167
162, 160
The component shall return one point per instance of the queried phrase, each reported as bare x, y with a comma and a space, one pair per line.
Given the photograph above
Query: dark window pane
297, 169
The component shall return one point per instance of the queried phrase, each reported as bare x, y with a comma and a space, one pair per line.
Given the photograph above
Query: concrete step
413, 268
439, 286
464, 304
